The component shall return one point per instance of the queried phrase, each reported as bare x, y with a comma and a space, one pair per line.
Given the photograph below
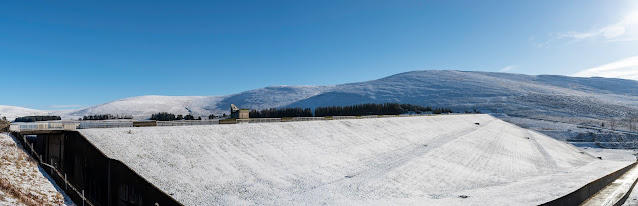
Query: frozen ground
615, 191
632, 200
612, 154
557, 130
617, 154
11, 112
436, 160
22, 182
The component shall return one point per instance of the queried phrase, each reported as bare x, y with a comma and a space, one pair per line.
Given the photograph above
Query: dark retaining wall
582, 194
105, 181
626, 196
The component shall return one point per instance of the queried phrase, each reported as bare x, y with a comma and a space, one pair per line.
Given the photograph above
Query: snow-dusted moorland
547, 96
433, 160
21, 180
11, 112
574, 101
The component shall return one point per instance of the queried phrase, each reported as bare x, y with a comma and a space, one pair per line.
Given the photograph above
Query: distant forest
37, 118
281, 112
353, 110
165, 116
105, 117
370, 109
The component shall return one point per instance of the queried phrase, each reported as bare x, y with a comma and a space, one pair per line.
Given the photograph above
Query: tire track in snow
548, 158
377, 167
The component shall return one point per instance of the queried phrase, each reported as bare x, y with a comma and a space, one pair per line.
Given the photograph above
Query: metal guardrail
22, 127
67, 183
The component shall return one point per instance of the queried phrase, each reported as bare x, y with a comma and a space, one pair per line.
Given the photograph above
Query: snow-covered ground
144, 106
632, 200
617, 154
22, 182
434, 160
557, 130
11, 112
612, 154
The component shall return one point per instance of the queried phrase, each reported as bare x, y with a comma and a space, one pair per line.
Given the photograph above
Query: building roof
233, 108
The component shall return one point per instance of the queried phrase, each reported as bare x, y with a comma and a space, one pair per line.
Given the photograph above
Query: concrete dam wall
79, 168
435, 160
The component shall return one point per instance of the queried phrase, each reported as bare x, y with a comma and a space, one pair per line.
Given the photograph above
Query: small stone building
236, 113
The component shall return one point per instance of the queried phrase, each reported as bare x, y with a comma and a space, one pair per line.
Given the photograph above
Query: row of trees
473, 111
376, 109
281, 112
105, 117
352, 110
165, 116
37, 118
629, 123
441, 110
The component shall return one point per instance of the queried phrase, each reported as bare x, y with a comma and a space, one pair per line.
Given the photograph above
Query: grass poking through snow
21, 182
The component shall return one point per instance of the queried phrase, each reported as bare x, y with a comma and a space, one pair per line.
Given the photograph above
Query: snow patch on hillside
273, 96
11, 112
145, 106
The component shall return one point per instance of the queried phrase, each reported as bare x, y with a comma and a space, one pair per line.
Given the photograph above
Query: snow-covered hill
11, 112
144, 106
497, 92
514, 94
546, 96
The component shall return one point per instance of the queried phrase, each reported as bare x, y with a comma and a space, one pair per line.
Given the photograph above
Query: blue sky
70, 54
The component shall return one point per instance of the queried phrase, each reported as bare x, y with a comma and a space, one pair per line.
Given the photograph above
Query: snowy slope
274, 96
542, 96
22, 181
497, 92
11, 112
514, 94
144, 106
390, 161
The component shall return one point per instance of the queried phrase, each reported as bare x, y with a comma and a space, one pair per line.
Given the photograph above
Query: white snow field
11, 112
427, 160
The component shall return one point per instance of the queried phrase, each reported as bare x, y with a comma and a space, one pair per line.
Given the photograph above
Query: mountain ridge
509, 93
